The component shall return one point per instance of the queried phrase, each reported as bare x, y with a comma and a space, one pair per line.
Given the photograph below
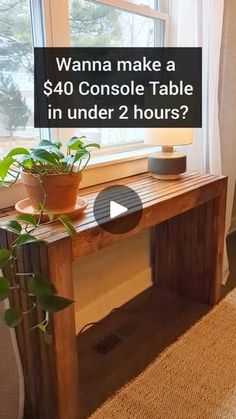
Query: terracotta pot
61, 190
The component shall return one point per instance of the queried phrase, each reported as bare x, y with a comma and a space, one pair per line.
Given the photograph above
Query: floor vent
117, 337
107, 344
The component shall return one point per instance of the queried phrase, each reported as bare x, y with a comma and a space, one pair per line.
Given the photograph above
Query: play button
117, 209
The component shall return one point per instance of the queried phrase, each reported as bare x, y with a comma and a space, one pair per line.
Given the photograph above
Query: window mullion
135, 8
38, 36
55, 19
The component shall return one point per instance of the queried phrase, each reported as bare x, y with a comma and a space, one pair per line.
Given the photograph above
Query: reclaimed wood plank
187, 239
50, 371
55, 231
92, 239
187, 250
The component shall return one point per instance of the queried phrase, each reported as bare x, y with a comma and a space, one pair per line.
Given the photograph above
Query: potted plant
48, 175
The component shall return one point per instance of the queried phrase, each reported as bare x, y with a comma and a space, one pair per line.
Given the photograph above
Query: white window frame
56, 18
114, 162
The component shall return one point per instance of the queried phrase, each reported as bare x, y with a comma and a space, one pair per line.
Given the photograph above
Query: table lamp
168, 164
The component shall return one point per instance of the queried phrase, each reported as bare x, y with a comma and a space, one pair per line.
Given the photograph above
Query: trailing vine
41, 294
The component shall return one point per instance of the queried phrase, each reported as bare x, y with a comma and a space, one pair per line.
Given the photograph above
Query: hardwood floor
126, 341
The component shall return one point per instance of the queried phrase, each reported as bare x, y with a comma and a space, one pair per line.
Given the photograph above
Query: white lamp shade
168, 136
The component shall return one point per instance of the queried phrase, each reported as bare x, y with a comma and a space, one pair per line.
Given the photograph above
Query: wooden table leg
65, 342
187, 251
50, 371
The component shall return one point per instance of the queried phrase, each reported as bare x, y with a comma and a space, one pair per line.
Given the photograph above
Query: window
66, 22
115, 24
16, 76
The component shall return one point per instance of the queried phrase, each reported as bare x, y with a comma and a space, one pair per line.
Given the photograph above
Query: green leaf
79, 155
52, 303
13, 316
44, 143
66, 221
25, 238
75, 142
44, 156
39, 207
39, 286
42, 327
18, 151
27, 218
94, 145
25, 160
5, 256
12, 226
5, 165
50, 143
54, 151
4, 288
50, 216
46, 336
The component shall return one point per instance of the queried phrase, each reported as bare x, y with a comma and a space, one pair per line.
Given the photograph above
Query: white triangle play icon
116, 209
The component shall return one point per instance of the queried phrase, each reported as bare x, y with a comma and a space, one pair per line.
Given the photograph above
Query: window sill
102, 168
111, 159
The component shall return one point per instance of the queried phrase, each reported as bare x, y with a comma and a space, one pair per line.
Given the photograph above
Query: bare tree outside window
13, 109
91, 25
16, 75
101, 25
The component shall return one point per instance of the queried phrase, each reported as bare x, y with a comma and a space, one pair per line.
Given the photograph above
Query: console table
187, 227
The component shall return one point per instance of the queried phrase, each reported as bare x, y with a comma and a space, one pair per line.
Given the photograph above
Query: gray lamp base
165, 177
167, 166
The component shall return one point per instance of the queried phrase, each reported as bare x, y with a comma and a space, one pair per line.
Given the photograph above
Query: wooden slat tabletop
151, 192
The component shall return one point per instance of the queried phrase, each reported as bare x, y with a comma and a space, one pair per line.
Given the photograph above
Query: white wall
227, 101
11, 379
233, 224
110, 277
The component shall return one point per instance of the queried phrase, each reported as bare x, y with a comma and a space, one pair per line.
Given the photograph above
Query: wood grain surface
187, 220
